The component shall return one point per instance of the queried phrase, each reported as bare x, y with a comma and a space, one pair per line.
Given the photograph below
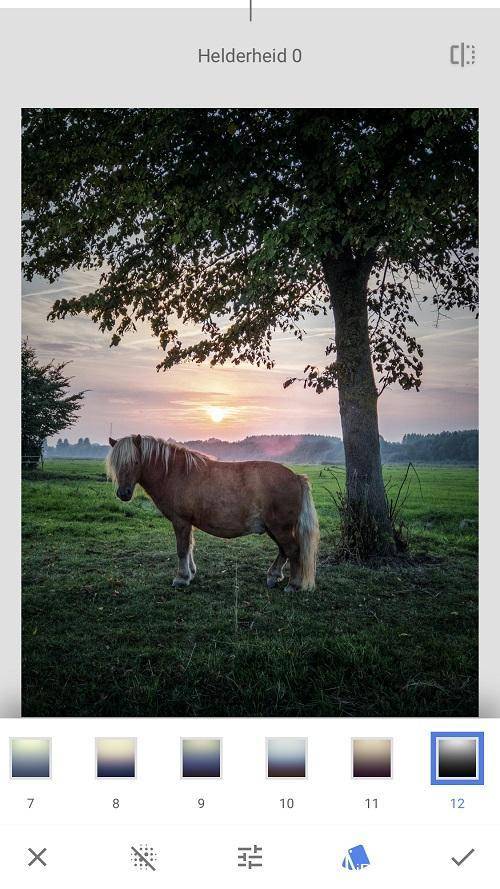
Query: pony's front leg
183, 536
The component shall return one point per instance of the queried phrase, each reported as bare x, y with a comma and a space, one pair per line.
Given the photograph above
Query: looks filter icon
356, 858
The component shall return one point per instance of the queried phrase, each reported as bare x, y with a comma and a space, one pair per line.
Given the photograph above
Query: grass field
105, 634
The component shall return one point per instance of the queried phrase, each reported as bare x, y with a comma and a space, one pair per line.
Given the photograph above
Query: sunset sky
196, 401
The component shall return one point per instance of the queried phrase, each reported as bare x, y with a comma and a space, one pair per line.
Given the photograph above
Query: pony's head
123, 464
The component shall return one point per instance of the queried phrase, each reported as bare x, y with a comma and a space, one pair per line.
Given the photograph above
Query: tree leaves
222, 218
46, 408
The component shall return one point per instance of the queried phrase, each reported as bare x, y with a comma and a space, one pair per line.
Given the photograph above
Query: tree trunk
31, 452
366, 523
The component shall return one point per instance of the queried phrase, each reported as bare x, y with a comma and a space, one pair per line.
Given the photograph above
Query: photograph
249, 372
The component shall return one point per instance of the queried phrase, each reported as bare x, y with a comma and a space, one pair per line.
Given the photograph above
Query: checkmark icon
458, 863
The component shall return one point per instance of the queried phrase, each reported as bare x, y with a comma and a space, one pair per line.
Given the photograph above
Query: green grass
105, 634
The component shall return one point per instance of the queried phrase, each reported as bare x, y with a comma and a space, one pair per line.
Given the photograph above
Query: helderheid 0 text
252, 56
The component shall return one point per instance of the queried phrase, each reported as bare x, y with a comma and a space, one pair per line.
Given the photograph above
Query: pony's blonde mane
126, 451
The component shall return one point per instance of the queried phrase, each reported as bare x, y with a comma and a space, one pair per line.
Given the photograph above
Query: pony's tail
307, 530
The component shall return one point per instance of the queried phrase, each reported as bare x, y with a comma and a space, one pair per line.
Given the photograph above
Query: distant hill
81, 449
443, 447
281, 448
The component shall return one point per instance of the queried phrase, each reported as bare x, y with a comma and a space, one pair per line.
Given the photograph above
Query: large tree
46, 405
246, 221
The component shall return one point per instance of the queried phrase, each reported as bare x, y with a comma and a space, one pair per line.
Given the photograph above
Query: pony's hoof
273, 581
290, 588
180, 581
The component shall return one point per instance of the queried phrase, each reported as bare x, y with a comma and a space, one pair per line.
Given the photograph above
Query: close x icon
37, 857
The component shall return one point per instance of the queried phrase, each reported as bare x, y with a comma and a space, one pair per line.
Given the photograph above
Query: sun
216, 414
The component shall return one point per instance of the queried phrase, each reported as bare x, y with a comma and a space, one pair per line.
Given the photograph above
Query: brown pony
223, 499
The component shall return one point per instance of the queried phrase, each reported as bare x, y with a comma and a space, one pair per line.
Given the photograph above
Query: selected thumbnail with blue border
457, 758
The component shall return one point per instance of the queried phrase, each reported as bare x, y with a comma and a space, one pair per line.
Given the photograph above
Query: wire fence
32, 461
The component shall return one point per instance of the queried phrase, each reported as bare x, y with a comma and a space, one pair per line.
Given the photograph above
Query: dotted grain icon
143, 857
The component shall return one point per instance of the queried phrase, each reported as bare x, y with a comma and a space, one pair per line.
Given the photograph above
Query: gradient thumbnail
30, 757
371, 758
457, 757
115, 757
201, 758
286, 757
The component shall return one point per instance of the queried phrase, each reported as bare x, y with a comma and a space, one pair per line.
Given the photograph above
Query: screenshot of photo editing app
244, 638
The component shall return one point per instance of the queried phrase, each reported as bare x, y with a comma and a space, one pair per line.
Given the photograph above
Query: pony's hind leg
275, 573
192, 566
285, 539
295, 582
183, 536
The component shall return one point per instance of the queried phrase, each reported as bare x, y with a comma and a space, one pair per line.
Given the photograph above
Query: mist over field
446, 447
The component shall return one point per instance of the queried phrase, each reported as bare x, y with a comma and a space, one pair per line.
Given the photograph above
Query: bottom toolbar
281, 802
292, 856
